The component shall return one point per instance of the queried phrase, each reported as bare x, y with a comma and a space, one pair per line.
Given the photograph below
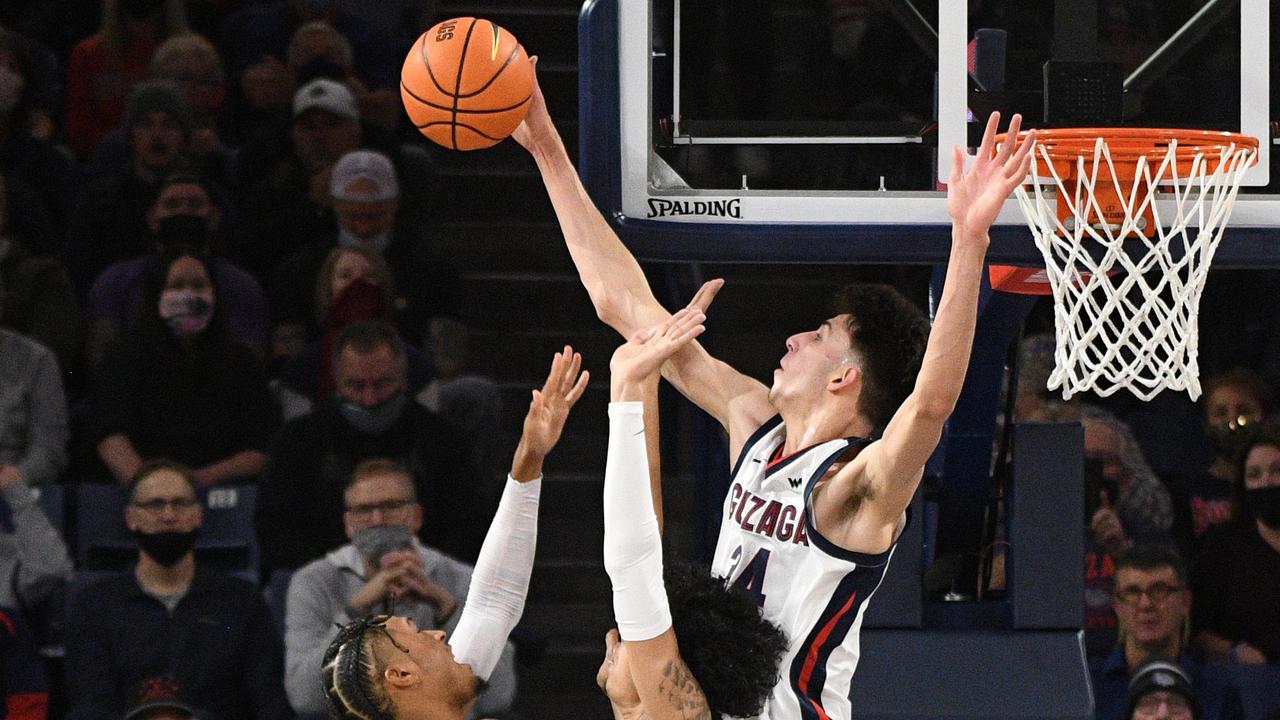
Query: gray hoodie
317, 604
33, 558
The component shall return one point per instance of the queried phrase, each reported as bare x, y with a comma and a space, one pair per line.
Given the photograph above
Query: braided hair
351, 670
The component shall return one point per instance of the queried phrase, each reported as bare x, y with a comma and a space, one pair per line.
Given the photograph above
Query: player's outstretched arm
500, 582
974, 198
618, 288
633, 545
614, 280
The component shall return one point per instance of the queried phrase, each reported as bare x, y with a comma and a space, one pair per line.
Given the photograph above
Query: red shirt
97, 88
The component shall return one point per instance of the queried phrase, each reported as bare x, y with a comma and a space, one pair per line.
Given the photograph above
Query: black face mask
1230, 438
1094, 484
1264, 503
139, 9
183, 230
166, 548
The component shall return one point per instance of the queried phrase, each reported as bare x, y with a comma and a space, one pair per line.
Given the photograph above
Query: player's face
428, 649
1151, 605
182, 199
614, 675
813, 360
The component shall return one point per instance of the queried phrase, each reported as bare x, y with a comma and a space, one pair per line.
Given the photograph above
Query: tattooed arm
660, 679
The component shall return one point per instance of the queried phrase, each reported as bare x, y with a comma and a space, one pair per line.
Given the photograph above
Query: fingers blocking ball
466, 83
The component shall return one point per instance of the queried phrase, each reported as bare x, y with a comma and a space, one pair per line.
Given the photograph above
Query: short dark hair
367, 336
1153, 556
151, 467
731, 650
889, 334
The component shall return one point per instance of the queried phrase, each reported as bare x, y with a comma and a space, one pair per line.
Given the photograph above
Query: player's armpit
668, 690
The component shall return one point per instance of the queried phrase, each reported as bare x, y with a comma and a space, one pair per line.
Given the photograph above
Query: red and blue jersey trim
808, 671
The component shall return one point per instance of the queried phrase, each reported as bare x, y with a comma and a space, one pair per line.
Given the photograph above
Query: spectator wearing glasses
1153, 605
299, 512
384, 569
211, 632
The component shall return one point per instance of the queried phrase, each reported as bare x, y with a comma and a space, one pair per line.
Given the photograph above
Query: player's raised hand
536, 128
974, 198
702, 299
642, 355
550, 406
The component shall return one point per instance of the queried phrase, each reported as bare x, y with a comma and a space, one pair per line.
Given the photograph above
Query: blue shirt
1110, 677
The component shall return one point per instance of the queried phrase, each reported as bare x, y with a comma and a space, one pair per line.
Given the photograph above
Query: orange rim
1129, 144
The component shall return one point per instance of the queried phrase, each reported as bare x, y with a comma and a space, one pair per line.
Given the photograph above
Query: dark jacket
220, 645
300, 501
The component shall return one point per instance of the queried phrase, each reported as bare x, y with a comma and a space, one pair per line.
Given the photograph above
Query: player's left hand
974, 198
550, 406
642, 355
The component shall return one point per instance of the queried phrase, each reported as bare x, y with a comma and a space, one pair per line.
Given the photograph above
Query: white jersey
815, 591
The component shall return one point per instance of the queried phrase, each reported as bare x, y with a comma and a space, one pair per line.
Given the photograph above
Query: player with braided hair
384, 668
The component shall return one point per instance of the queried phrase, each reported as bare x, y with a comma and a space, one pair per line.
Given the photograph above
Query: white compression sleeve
632, 542
500, 581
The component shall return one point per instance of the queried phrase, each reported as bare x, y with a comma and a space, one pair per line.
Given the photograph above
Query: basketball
466, 83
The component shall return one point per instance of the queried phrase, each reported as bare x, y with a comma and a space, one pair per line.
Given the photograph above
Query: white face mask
11, 84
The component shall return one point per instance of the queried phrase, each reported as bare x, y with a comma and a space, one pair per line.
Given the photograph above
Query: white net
1126, 304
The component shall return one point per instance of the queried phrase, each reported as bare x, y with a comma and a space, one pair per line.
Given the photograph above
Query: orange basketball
466, 83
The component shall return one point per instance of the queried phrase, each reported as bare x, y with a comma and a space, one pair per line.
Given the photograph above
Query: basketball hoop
1127, 247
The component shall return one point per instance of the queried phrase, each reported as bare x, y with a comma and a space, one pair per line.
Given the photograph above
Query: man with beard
383, 569
109, 223
184, 212
299, 513
213, 633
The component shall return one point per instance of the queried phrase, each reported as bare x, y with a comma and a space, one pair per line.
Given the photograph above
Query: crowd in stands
217, 287
216, 272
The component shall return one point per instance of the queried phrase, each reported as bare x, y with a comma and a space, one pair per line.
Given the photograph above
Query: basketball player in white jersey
816, 504
384, 668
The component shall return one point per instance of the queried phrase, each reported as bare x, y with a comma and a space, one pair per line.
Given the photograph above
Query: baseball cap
157, 96
156, 693
364, 176
328, 95
1161, 674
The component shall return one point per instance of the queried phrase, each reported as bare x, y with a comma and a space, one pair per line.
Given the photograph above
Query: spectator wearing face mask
109, 223
370, 414
1235, 402
384, 568
184, 213
177, 385
171, 617
1236, 576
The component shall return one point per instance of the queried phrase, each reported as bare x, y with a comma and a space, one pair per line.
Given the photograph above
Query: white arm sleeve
500, 582
632, 542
